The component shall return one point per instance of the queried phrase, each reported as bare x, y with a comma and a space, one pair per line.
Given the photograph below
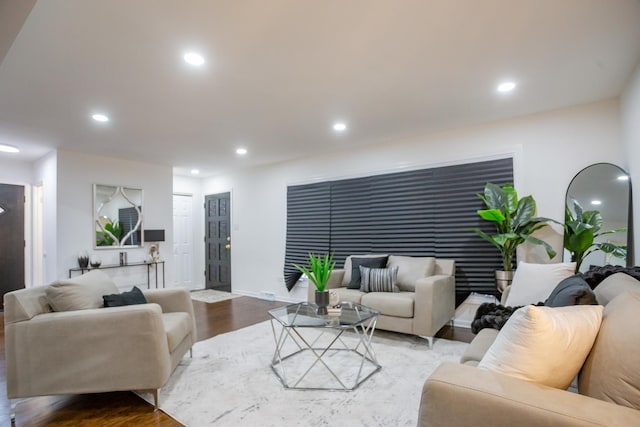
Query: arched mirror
117, 217
598, 218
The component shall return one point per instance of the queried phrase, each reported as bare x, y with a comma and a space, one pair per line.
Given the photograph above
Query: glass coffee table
323, 352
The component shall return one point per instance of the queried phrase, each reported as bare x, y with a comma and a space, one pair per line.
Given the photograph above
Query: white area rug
229, 382
210, 295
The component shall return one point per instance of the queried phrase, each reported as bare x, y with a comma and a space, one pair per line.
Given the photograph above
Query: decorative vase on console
83, 259
318, 271
95, 261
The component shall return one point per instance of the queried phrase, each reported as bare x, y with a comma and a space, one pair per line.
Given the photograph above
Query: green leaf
579, 242
577, 209
547, 247
493, 215
594, 219
511, 198
524, 212
494, 197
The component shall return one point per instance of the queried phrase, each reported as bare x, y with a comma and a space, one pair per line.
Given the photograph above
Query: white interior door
183, 260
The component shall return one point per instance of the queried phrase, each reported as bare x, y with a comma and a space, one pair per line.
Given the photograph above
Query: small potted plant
581, 228
514, 223
318, 271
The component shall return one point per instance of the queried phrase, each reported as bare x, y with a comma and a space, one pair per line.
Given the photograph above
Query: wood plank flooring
121, 409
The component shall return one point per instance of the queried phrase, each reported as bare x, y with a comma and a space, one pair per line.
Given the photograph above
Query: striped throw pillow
378, 279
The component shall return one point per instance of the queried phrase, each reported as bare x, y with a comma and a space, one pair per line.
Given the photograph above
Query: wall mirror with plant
117, 216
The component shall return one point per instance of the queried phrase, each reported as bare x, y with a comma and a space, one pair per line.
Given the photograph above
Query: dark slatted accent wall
351, 231
426, 212
308, 226
454, 214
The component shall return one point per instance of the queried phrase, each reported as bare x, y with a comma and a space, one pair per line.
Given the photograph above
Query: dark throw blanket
490, 315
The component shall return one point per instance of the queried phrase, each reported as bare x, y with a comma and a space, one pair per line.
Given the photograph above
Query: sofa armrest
171, 300
174, 300
463, 395
435, 304
86, 351
335, 282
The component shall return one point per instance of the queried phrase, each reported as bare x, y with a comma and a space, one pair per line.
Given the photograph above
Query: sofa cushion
533, 283
545, 345
370, 262
132, 297
391, 304
351, 295
613, 286
177, 325
378, 279
573, 290
611, 371
346, 279
80, 293
411, 269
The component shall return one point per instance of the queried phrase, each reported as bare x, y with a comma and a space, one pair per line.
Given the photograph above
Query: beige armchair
134, 347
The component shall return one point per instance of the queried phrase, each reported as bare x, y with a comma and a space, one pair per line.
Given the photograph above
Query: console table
149, 265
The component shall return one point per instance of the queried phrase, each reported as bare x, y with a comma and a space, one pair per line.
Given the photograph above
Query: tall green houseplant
514, 221
581, 228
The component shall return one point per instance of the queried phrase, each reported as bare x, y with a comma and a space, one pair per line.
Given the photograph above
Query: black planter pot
322, 301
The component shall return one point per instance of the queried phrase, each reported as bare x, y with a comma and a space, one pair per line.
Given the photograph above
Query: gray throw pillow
379, 279
573, 290
369, 262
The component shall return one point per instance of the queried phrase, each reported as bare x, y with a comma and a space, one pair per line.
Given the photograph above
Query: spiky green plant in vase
319, 271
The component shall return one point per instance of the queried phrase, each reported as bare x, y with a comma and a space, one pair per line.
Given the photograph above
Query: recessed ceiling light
193, 58
506, 87
100, 118
241, 151
596, 202
9, 148
195, 171
623, 178
339, 127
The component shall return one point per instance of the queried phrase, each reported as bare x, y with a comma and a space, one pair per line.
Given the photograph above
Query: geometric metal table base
329, 352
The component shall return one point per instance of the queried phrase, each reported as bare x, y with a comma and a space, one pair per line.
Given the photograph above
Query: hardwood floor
119, 409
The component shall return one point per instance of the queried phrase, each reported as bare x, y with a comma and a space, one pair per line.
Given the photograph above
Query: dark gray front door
217, 241
11, 239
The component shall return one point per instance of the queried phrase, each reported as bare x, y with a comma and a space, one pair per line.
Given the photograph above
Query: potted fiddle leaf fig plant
515, 223
581, 228
319, 270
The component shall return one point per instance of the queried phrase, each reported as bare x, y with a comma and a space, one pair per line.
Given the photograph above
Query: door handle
228, 238
227, 246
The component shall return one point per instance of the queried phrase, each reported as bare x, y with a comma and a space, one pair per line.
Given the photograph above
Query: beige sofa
95, 349
421, 312
608, 383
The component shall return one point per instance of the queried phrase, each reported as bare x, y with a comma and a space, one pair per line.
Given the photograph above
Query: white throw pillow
533, 283
545, 345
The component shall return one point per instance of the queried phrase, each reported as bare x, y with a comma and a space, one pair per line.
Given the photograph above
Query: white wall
630, 115
193, 187
45, 173
549, 149
76, 174
13, 171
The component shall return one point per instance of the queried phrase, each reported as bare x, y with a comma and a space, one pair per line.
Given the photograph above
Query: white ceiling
280, 72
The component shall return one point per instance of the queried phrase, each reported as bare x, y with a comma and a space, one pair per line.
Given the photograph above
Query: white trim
514, 153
